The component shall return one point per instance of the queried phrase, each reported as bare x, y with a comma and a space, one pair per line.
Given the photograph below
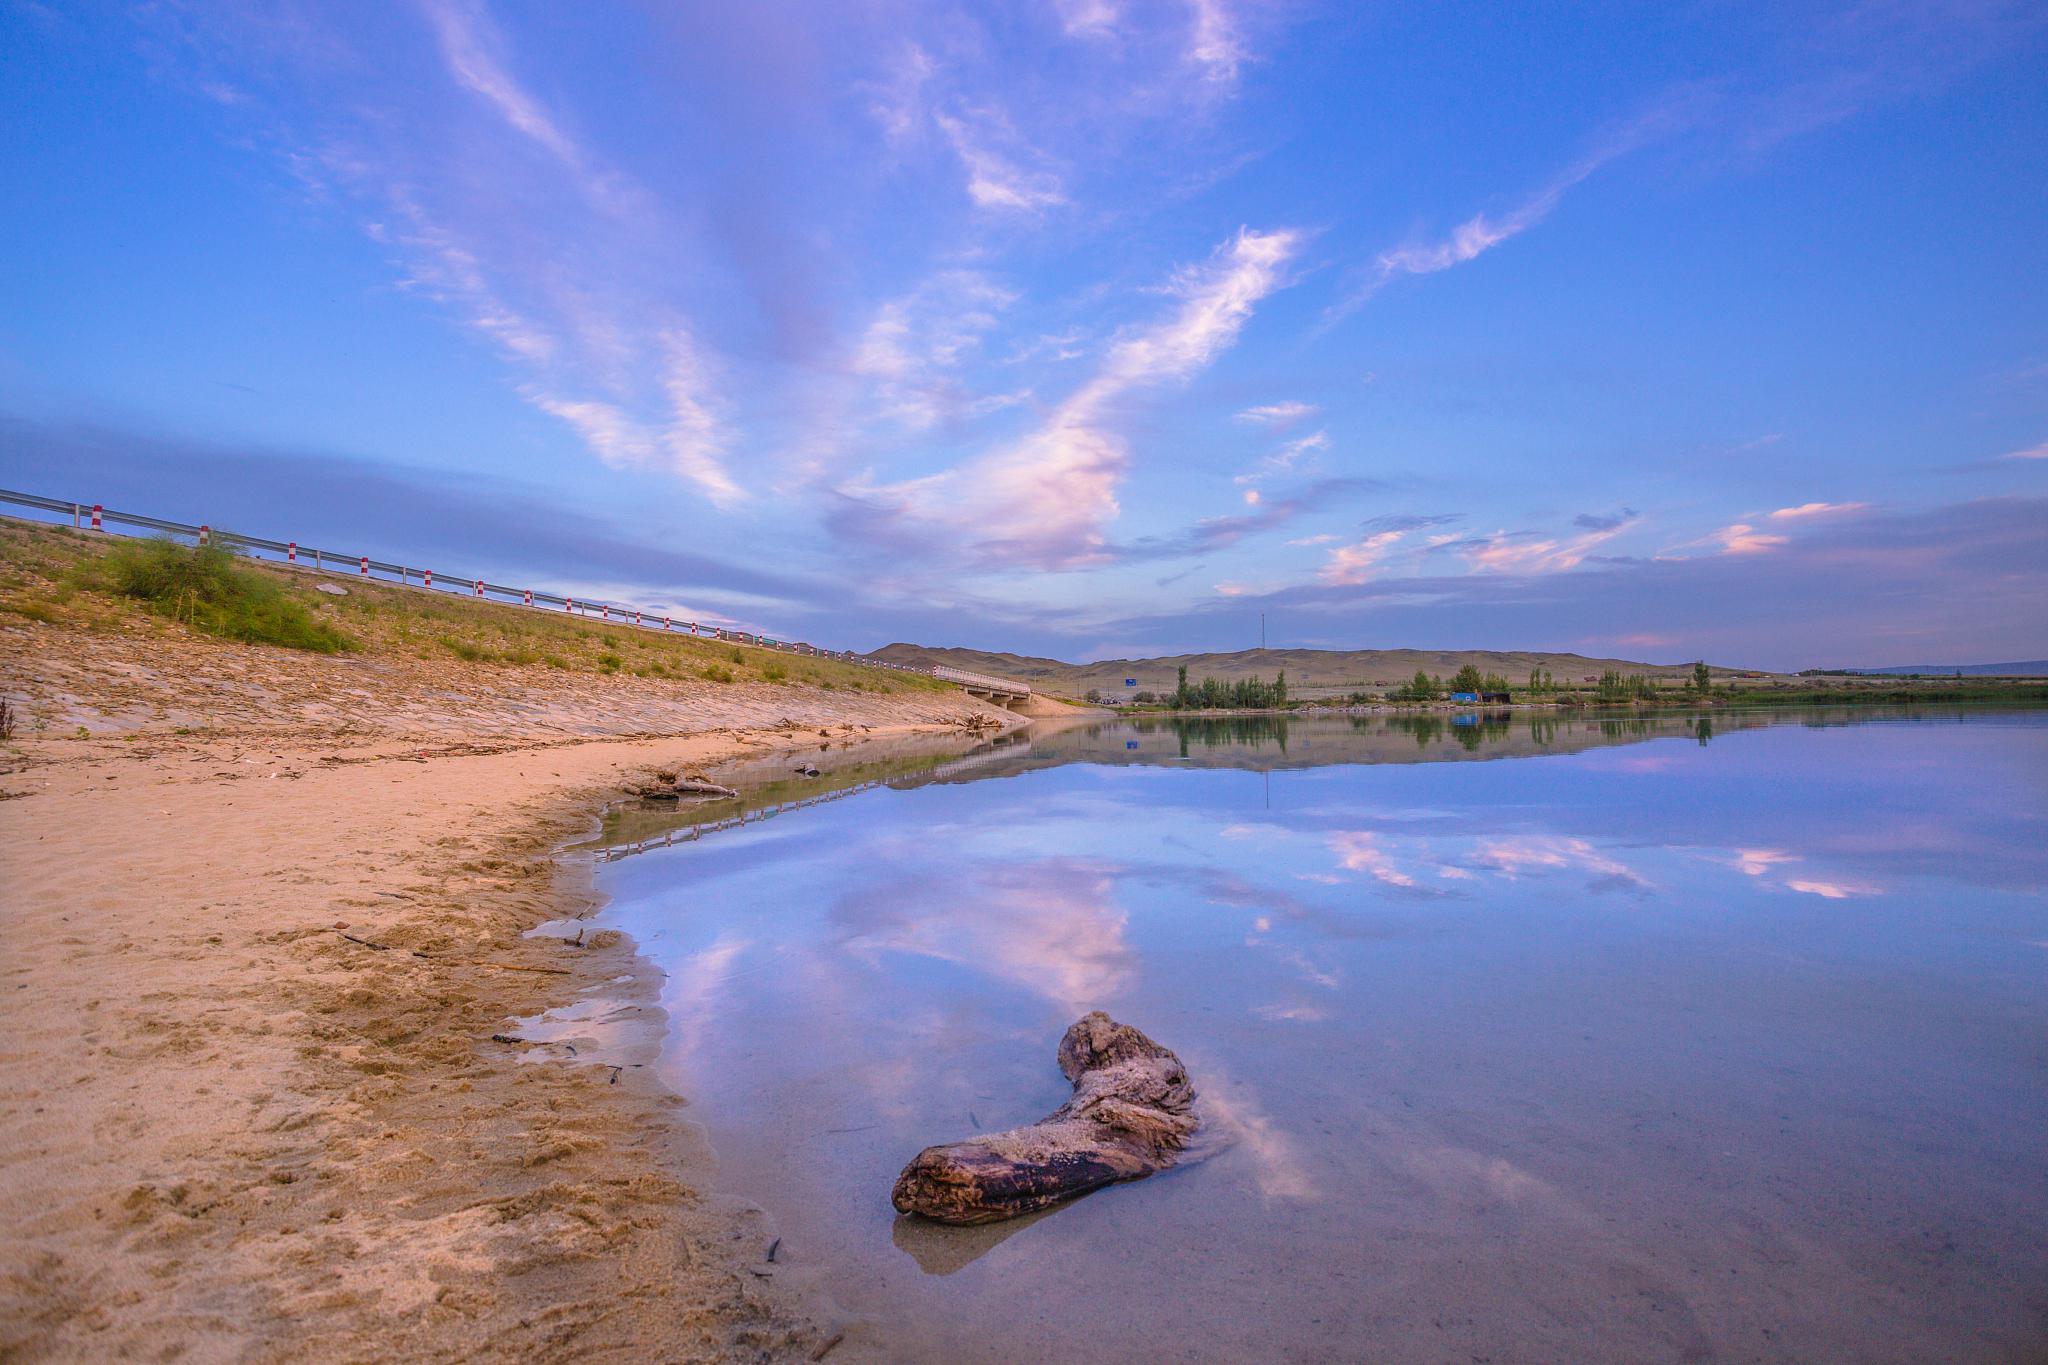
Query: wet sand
262, 925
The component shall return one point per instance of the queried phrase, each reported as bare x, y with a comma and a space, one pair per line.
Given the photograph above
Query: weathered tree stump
1131, 1114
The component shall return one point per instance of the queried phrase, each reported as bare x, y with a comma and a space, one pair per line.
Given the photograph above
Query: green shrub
463, 649
206, 588
773, 672
717, 673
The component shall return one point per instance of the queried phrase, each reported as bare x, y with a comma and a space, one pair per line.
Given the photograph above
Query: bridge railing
982, 680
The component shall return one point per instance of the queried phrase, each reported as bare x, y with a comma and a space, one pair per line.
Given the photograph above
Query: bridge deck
982, 682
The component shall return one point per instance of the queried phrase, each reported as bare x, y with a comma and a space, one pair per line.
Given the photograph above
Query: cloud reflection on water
1052, 927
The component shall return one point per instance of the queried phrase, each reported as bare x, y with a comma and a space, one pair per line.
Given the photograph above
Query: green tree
1468, 679
1180, 691
1702, 678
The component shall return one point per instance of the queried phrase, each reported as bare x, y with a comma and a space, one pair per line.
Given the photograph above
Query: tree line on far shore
1256, 694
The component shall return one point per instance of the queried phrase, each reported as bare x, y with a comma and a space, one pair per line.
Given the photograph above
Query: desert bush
206, 588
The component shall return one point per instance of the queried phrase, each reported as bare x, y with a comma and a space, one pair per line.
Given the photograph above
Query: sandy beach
265, 913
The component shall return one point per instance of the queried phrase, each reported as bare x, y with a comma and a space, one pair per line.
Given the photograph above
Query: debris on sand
1131, 1114
682, 787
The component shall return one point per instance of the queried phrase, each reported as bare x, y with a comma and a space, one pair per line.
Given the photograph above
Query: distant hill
2034, 668
1310, 672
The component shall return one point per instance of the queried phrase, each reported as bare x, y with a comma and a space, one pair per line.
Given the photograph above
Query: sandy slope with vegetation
266, 910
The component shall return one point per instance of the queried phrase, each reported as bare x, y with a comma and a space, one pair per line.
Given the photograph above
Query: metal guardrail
291, 552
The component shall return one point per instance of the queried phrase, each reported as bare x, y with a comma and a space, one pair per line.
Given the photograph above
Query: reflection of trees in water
1215, 732
1473, 732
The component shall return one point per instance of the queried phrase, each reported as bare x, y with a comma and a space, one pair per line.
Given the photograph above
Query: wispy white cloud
1282, 461
1216, 43
690, 442
1527, 553
1353, 564
1741, 538
1278, 415
1087, 18
440, 266
465, 39
1806, 510
898, 102
695, 438
996, 179
1482, 232
917, 341
2039, 452
1045, 500
1053, 494
1757, 862
1833, 891
475, 57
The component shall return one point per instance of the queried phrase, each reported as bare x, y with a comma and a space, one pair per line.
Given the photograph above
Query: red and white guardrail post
96, 518
529, 597
479, 587
366, 566
291, 552
427, 578
205, 535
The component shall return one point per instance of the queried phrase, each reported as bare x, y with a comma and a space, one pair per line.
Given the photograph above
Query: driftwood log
1131, 1114
688, 786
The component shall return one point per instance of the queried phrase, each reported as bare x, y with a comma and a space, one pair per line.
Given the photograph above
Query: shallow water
1679, 1039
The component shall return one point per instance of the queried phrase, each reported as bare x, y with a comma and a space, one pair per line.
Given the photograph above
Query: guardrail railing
314, 559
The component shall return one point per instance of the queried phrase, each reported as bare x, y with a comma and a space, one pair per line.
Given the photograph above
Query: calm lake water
1518, 1040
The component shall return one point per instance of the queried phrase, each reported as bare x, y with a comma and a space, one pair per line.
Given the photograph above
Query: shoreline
2018, 698
255, 1104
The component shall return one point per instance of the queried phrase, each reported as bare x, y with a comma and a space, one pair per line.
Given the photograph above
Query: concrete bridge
1003, 692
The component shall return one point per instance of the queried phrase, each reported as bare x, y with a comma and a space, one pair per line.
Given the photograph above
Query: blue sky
1085, 327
